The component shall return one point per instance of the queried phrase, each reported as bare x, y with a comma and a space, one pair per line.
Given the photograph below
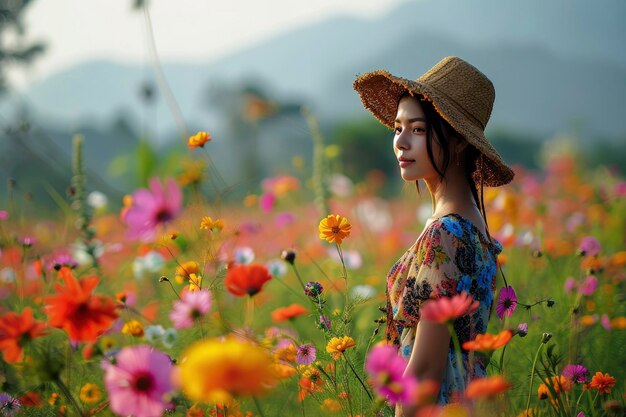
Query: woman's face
409, 142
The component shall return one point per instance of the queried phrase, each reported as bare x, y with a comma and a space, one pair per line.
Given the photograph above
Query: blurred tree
365, 145
11, 14
516, 148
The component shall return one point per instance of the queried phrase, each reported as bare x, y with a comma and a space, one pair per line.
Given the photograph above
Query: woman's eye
397, 129
418, 129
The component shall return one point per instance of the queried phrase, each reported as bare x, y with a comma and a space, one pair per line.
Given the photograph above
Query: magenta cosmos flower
138, 381
152, 208
576, 373
385, 369
589, 246
193, 306
507, 302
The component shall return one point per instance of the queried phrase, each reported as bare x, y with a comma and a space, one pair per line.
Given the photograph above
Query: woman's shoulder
459, 229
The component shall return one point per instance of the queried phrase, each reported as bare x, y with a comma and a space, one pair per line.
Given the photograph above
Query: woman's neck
452, 194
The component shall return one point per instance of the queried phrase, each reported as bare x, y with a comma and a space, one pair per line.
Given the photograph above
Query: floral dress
449, 257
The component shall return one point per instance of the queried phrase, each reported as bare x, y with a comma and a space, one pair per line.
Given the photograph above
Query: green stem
502, 360
358, 377
298, 276
532, 375
258, 406
69, 396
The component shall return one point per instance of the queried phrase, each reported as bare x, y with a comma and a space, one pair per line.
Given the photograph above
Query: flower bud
288, 256
545, 338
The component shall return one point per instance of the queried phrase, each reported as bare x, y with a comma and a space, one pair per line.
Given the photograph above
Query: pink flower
569, 285
386, 368
306, 355
267, 201
152, 208
507, 302
589, 246
605, 321
4, 214
588, 286
138, 381
193, 306
620, 189
447, 309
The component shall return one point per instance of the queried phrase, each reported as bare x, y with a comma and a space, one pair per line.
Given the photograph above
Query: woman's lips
405, 162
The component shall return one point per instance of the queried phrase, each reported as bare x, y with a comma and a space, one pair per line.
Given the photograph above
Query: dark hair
437, 128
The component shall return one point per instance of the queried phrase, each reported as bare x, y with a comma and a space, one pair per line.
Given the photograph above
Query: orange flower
246, 279
338, 345
446, 309
288, 313
15, 331
334, 228
489, 342
198, 140
558, 383
602, 382
76, 310
487, 387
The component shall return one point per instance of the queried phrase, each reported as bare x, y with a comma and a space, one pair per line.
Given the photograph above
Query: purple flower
9, 406
577, 373
522, 329
589, 246
386, 368
267, 201
138, 381
580, 414
305, 355
569, 285
193, 306
325, 323
284, 219
313, 289
152, 208
588, 286
605, 321
507, 302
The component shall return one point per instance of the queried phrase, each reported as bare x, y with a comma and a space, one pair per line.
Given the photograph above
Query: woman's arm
429, 356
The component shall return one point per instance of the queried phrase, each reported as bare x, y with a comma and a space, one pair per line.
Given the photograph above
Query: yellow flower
217, 370
338, 345
195, 282
133, 328
334, 228
198, 140
208, 223
53, 398
184, 271
90, 394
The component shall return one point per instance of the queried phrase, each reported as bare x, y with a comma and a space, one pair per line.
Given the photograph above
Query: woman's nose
400, 141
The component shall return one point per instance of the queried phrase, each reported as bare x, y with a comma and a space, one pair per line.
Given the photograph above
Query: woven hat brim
380, 92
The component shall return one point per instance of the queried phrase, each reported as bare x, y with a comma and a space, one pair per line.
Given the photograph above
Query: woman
439, 122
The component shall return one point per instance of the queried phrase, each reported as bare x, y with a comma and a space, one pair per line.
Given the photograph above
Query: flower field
181, 304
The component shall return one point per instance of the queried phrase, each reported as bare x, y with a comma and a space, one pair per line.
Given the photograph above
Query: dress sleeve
443, 266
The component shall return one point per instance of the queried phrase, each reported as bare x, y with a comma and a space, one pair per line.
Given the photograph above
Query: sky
184, 30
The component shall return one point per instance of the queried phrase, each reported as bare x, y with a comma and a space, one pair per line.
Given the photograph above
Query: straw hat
460, 93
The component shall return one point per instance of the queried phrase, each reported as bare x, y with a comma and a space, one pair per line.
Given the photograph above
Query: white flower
154, 333
340, 185
374, 214
363, 291
243, 255
277, 267
169, 337
97, 200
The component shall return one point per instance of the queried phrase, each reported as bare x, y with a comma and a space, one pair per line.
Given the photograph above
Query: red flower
288, 313
15, 331
447, 309
602, 382
246, 279
76, 310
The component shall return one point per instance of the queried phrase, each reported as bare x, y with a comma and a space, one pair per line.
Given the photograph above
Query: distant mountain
557, 65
